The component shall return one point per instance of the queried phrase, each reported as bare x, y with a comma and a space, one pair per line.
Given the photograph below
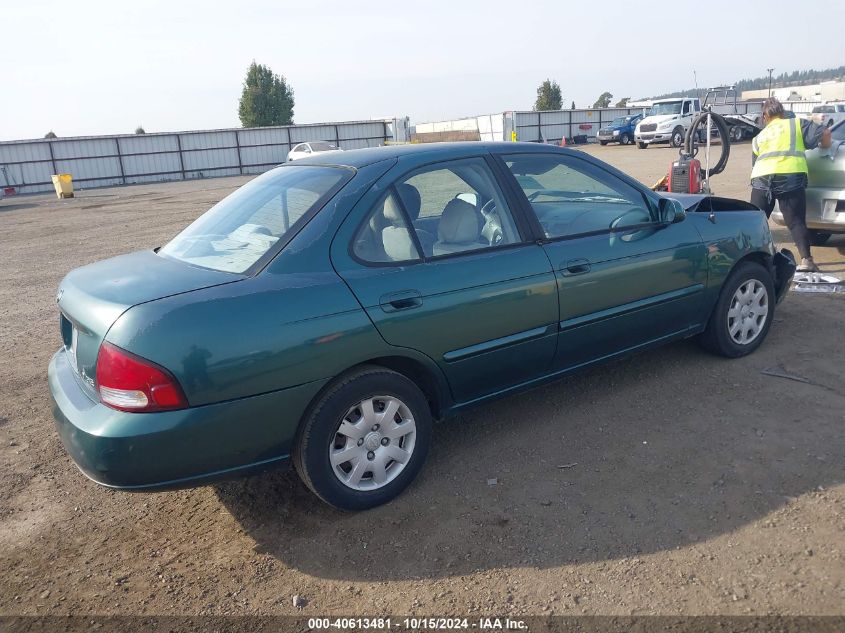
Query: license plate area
70, 338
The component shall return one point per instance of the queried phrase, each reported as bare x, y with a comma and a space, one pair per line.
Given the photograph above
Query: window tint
571, 196
385, 236
457, 207
237, 231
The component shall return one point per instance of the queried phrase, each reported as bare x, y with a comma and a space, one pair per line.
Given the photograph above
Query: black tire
819, 238
678, 137
737, 134
602, 142
625, 139
642, 145
320, 426
716, 337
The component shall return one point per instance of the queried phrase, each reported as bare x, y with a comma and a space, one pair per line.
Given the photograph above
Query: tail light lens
130, 383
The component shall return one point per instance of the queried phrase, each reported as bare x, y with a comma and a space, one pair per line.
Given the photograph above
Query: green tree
140, 130
603, 101
573, 106
266, 98
623, 102
50, 134
548, 96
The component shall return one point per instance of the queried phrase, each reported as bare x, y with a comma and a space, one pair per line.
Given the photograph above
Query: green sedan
327, 312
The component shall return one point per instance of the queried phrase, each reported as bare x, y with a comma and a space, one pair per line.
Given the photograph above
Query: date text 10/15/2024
417, 624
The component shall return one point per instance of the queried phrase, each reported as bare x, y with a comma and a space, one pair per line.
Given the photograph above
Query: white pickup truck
667, 121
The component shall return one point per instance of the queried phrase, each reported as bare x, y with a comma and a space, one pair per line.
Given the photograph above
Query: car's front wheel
365, 440
642, 145
677, 136
625, 139
743, 314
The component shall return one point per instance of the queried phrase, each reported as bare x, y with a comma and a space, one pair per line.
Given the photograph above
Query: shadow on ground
17, 207
651, 453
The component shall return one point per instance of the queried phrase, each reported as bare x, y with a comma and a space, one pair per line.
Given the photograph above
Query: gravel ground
671, 482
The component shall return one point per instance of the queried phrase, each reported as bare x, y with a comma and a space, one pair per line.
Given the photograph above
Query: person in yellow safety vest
779, 171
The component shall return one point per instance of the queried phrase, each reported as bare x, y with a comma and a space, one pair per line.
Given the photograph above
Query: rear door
624, 280
438, 258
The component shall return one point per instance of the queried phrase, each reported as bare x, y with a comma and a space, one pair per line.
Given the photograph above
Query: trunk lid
826, 173
92, 297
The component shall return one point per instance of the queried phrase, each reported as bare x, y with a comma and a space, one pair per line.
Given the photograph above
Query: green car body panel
252, 352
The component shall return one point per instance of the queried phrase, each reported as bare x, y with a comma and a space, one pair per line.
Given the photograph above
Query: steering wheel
492, 229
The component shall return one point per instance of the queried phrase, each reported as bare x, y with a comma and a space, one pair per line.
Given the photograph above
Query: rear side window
240, 229
385, 237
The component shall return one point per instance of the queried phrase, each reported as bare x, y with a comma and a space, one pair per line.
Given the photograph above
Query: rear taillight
130, 383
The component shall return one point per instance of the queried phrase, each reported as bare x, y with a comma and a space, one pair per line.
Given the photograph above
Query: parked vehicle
328, 311
312, 148
742, 125
667, 121
825, 191
620, 130
828, 114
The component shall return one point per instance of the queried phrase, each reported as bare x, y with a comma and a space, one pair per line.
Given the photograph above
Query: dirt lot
693, 485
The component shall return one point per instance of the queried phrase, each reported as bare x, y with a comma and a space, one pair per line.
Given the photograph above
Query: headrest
392, 212
410, 198
459, 223
388, 215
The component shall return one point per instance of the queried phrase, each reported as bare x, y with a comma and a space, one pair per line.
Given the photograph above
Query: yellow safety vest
779, 149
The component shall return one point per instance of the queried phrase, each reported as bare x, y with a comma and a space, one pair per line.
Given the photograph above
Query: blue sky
96, 67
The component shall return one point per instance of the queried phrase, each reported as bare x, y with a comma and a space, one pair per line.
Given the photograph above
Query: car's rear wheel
743, 314
819, 238
365, 440
625, 139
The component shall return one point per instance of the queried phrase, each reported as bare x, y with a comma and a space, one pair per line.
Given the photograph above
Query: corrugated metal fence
553, 125
102, 161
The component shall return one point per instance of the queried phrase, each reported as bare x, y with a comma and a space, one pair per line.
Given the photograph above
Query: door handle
576, 267
403, 300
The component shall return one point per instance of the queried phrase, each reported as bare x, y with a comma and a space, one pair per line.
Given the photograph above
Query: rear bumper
172, 449
784, 269
821, 210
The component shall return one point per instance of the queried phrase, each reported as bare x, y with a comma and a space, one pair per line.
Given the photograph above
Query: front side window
236, 232
457, 207
572, 197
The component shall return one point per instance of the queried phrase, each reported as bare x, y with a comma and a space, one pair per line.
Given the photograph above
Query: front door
439, 260
624, 279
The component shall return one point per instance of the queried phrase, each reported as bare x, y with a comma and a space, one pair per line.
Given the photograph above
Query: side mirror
670, 211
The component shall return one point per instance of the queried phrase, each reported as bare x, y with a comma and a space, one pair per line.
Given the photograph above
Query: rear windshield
323, 146
236, 232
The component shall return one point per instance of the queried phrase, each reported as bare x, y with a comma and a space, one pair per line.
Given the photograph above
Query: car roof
367, 156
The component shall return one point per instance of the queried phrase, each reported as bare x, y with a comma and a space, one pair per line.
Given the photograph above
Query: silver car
825, 191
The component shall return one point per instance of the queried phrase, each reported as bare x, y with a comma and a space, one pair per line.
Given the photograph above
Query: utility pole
770, 80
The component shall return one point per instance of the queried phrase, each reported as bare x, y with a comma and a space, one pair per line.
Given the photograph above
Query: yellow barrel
64, 185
